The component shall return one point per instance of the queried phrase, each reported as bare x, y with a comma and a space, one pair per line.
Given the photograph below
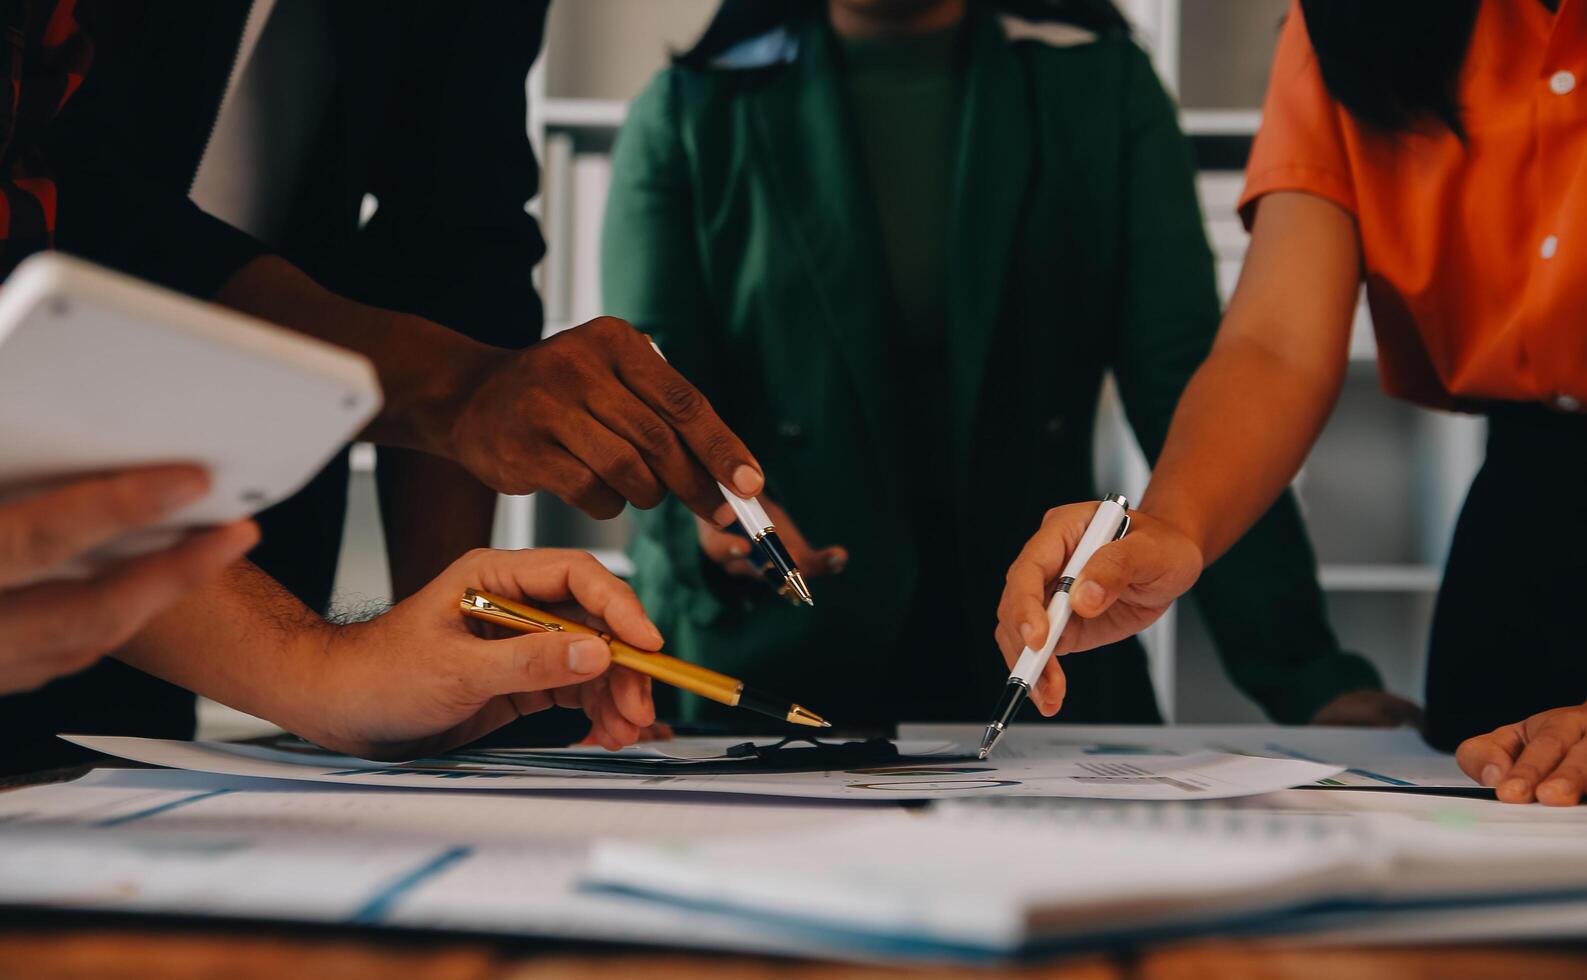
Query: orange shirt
1475, 254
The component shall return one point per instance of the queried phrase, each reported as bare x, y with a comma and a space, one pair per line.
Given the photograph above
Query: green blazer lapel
800, 123
992, 184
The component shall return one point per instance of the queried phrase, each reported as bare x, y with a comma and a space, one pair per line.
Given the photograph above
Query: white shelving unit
1384, 484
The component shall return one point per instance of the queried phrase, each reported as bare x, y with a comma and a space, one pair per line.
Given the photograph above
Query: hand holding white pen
1125, 587
1109, 523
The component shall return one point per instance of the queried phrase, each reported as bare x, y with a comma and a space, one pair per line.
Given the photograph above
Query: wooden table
66, 951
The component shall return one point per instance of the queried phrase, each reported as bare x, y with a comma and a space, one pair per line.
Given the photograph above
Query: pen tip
983, 753
826, 724
796, 583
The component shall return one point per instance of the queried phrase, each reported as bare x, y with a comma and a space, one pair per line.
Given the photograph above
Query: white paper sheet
1372, 758
1058, 773
198, 844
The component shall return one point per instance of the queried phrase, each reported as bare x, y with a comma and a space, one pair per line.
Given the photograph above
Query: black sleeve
451, 240
124, 148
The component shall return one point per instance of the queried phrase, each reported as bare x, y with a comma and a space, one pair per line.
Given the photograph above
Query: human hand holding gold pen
679, 673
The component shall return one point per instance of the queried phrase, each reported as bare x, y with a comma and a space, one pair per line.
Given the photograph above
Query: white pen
757, 524
1112, 519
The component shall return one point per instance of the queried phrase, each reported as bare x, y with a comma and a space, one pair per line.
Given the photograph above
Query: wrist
431, 412
318, 664
1178, 517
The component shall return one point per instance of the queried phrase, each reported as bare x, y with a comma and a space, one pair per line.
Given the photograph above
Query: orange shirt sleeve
1301, 145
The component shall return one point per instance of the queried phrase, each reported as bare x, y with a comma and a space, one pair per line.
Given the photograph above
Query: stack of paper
991, 880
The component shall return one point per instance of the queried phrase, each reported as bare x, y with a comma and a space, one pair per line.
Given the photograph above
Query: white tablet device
100, 371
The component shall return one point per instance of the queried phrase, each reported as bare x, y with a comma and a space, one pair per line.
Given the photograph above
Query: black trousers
1509, 635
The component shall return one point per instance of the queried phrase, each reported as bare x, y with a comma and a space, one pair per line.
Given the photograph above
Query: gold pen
699, 680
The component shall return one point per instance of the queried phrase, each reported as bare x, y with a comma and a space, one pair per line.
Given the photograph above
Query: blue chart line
163, 807
381, 903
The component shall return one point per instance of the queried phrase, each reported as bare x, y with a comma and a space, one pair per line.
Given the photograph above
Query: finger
1024, 604
664, 453
566, 697
611, 721
740, 568
1544, 750
659, 732
569, 478
1564, 786
557, 575
107, 611
813, 561
1009, 643
825, 561
1051, 687
680, 404
41, 532
608, 727
722, 546
630, 692
530, 702
534, 662
1486, 758
1114, 568
605, 595
616, 461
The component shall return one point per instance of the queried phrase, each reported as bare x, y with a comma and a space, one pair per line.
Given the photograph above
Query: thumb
541, 662
1114, 568
1487, 758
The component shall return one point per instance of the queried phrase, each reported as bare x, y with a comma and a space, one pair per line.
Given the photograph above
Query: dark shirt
427, 114
904, 96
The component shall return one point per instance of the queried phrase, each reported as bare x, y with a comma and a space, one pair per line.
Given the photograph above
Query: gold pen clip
482, 607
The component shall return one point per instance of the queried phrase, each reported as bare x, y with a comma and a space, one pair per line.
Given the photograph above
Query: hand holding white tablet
49, 631
100, 372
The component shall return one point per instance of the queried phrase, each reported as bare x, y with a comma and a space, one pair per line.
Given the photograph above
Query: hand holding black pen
732, 550
762, 533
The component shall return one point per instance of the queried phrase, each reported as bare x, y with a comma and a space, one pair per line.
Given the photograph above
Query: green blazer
738, 233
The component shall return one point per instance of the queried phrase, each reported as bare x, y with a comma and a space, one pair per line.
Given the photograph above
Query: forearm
244, 641
1241, 431
425, 369
1251, 412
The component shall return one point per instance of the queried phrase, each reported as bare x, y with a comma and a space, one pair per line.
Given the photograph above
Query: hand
1544, 756
52, 629
1125, 587
423, 678
1369, 709
732, 551
597, 417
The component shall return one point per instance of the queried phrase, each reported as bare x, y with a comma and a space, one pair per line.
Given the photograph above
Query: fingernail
1491, 774
184, 491
1560, 786
747, 480
738, 549
1027, 632
1514, 787
586, 656
837, 563
1090, 593
655, 634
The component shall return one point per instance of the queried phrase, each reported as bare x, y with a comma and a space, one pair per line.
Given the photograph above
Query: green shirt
903, 97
